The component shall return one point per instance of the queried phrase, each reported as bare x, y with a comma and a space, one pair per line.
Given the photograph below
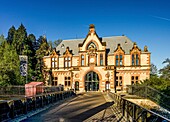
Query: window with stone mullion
54, 62
119, 81
134, 80
67, 62
119, 60
135, 59
54, 82
67, 81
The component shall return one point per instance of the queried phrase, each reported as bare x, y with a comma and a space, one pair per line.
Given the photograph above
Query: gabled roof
111, 44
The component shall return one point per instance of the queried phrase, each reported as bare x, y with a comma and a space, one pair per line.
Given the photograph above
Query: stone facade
97, 64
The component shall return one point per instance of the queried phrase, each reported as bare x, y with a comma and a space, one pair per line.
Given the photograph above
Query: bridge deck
87, 107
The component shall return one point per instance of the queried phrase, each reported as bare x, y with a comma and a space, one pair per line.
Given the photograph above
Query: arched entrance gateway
91, 81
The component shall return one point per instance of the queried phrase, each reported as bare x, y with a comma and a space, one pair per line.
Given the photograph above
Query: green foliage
162, 82
56, 43
165, 71
20, 39
42, 51
154, 70
157, 83
11, 33
9, 66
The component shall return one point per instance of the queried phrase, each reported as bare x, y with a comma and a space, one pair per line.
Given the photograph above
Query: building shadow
87, 114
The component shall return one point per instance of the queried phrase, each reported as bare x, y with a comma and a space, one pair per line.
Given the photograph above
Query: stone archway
91, 81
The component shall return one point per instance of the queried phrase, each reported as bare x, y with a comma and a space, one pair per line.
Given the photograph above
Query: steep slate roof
111, 44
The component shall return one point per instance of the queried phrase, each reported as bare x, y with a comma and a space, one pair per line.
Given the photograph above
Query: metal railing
136, 113
16, 106
31, 90
150, 93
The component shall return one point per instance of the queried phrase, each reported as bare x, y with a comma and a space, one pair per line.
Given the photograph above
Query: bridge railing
12, 107
28, 91
136, 113
150, 93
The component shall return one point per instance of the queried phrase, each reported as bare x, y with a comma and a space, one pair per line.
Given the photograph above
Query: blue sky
146, 22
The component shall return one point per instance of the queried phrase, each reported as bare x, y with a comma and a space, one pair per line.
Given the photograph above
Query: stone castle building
97, 64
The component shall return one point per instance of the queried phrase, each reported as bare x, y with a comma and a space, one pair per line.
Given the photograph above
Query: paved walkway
87, 107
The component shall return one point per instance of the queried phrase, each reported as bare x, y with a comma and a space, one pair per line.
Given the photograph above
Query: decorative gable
54, 53
92, 39
119, 50
135, 49
67, 52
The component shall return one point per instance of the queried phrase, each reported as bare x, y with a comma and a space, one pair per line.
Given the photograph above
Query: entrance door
91, 82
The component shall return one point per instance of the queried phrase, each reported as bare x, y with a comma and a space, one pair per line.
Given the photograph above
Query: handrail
13, 108
150, 93
134, 112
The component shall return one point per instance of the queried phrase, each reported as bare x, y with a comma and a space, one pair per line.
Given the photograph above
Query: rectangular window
134, 80
67, 81
55, 81
119, 81
54, 62
67, 62
119, 60
135, 59
82, 60
101, 59
133, 62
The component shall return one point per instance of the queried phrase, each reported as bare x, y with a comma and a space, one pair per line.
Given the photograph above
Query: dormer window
135, 55
54, 62
135, 59
67, 62
119, 55
119, 60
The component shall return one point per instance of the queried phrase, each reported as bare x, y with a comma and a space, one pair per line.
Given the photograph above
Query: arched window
91, 46
101, 59
135, 59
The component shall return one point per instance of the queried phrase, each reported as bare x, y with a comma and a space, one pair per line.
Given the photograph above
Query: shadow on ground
87, 114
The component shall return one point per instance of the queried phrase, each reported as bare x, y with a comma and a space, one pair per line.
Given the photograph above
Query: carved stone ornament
145, 49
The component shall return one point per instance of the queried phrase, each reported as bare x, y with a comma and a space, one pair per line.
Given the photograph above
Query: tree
2, 39
19, 39
154, 70
10, 36
165, 71
57, 42
9, 65
42, 51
